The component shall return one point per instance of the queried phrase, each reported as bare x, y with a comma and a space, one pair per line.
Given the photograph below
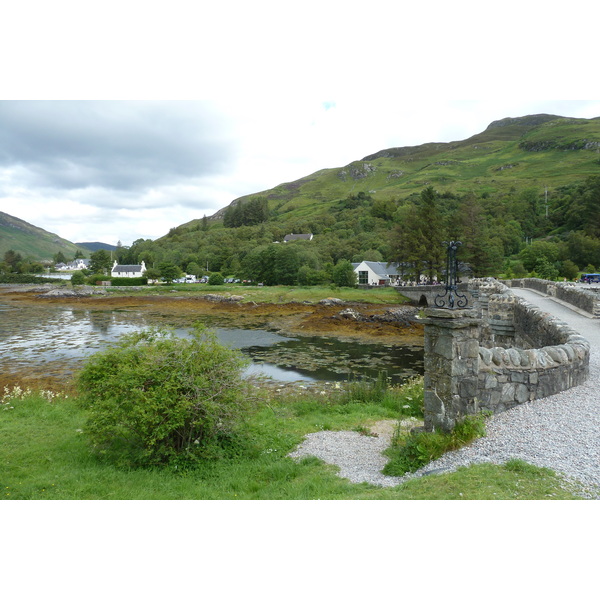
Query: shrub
78, 278
157, 399
97, 279
128, 281
20, 278
216, 279
344, 275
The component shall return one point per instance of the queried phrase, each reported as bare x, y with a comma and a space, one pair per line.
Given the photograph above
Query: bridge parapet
424, 295
500, 354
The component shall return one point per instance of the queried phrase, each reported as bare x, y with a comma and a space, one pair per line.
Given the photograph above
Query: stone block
472, 349
444, 347
468, 388
491, 382
518, 377
521, 393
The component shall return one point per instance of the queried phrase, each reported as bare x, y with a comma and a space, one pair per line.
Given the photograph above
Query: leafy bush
157, 399
20, 278
411, 451
97, 279
78, 278
344, 275
128, 281
216, 279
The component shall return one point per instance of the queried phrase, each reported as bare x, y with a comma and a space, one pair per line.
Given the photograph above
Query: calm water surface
55, 341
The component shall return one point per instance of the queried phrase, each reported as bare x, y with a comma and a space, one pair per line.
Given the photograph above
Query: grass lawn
45, 455
277, 294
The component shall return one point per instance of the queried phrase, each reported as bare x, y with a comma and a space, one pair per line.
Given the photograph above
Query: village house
128, 270
76, 265
376, 273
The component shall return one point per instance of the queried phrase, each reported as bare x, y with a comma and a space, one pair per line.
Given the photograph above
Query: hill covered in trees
522, 195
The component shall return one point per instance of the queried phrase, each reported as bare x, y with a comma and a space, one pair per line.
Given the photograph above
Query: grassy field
277, 294
45, 455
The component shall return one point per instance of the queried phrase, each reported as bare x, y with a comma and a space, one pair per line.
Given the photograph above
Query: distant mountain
94, 246
33, 242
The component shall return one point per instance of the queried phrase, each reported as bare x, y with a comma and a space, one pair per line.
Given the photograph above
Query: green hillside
536, 151
33, 242
523, 196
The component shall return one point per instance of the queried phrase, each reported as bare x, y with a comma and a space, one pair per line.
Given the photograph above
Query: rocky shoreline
329, 316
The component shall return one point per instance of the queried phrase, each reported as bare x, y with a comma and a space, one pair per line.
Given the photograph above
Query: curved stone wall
546, 357
587, 300
522, 354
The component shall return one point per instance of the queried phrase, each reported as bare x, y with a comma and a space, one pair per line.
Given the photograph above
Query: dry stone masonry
499, 354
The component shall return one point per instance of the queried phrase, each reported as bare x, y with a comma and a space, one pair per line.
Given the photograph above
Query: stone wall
500, 354
587, 300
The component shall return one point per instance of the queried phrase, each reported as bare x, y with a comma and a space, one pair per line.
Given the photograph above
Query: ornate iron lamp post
451, 298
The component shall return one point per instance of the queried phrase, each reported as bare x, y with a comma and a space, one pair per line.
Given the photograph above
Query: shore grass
45, 455
276, 294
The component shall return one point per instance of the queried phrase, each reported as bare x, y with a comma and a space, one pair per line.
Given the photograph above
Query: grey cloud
116, 145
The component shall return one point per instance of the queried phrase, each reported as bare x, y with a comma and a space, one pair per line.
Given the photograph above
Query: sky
119, 121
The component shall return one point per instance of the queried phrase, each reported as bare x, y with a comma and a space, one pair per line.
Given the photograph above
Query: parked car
590, 278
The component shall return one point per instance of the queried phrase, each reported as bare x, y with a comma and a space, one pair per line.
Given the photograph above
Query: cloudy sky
94, 147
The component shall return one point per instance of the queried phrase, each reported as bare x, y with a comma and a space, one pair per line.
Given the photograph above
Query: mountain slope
33, 242
535, 151
94, 246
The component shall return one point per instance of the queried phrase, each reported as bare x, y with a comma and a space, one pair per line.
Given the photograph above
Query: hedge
124, 281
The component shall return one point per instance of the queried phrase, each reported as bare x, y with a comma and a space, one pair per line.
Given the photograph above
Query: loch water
54, 341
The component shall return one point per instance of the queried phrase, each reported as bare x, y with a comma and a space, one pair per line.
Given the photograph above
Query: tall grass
406, 399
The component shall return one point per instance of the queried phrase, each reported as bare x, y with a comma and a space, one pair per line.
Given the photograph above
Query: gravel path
561, 432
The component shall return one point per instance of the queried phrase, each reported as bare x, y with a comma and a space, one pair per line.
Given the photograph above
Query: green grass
277, 294
45, 455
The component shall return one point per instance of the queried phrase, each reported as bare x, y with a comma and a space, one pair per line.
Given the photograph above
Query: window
363, 277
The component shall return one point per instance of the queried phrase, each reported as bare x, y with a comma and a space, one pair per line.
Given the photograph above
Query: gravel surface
561, 432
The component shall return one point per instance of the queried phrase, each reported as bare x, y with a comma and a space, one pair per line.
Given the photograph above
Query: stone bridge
424, 295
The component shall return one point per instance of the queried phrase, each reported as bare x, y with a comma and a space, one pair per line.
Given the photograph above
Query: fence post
451, 366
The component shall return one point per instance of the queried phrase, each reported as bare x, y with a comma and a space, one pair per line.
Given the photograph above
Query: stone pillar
451, 366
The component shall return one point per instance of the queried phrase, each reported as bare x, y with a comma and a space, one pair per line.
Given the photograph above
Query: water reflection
57, 340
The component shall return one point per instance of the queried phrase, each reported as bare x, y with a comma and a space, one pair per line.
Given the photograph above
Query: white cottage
128, 270
376, 273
